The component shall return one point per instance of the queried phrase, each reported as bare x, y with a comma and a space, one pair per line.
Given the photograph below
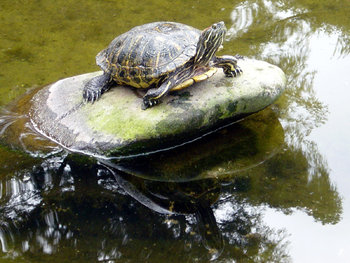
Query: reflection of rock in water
82, 211
180, 198
65, 204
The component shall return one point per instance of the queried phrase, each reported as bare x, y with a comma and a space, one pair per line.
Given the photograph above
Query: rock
116, 126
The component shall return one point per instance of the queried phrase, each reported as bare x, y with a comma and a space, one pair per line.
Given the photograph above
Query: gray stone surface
116, 125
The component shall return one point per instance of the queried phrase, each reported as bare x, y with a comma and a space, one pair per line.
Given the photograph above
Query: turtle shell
147, 53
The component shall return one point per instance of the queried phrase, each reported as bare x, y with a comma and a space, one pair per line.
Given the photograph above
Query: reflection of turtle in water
180, 198
161, 56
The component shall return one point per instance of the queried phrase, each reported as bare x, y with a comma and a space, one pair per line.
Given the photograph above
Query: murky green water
272, 188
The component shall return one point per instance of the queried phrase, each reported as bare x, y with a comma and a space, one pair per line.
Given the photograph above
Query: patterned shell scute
150, 51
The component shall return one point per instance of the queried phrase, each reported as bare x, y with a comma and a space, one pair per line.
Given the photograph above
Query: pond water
271, 188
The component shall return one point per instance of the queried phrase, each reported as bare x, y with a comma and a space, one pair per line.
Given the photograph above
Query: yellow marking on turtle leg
163, 92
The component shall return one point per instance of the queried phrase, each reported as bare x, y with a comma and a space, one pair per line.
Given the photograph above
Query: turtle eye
214, 26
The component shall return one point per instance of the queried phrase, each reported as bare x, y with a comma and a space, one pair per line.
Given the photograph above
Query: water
272, 188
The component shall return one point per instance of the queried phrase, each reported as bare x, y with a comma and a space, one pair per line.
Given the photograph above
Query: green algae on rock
116, 126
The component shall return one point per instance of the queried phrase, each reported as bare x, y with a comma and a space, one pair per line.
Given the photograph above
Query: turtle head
209, 42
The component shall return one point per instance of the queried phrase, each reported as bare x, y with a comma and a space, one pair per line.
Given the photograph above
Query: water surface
272, 188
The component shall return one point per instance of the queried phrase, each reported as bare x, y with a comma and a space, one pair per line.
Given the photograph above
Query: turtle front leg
228, 64
153, 96
96, 86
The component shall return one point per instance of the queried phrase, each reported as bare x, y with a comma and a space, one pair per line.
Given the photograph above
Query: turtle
161, 57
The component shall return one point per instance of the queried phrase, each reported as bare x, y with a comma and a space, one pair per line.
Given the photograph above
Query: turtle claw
91, 95
229, 65
95, 87
237, 56
233, 73
238, 71
147, 103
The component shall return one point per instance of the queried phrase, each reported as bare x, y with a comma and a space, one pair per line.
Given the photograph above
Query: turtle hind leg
228, 64
95, 87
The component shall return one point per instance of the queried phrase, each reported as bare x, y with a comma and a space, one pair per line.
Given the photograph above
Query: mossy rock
116, 126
